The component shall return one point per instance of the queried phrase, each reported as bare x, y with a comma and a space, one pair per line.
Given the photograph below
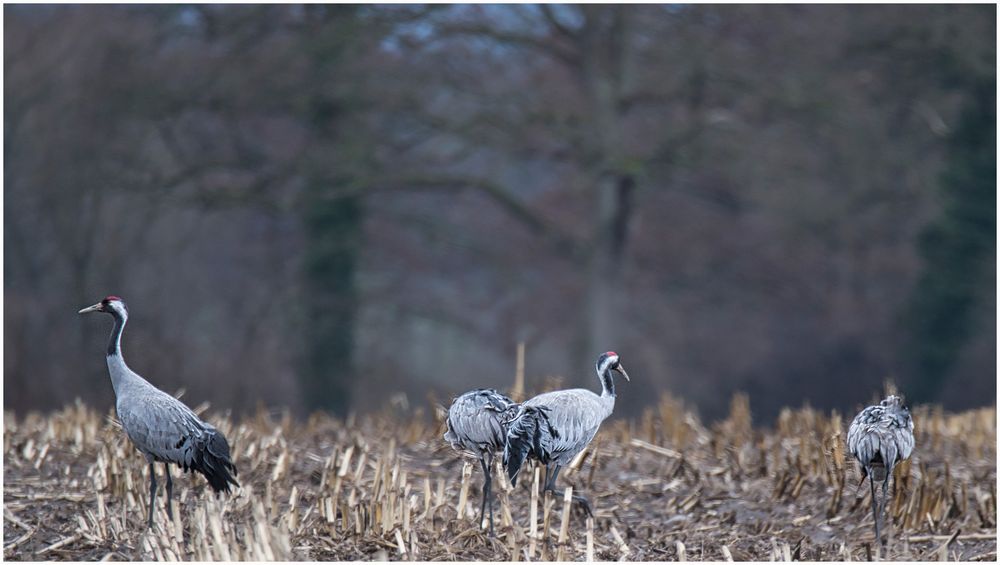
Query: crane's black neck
115, 343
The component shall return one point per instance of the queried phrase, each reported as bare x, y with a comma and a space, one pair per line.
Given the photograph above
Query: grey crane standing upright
161, 427
880, 437
555, 426
477, 423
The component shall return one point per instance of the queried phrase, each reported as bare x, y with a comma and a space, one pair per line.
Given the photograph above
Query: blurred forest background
318, 206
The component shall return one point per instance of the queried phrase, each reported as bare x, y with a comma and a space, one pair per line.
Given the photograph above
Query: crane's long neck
116, 363
607, 381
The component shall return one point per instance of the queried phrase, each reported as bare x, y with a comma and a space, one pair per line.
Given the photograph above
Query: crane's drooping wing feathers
881, 436
554, 427
478, 419
164, 428
530, 433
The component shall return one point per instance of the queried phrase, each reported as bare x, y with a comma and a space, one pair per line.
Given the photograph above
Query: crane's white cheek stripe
603, 367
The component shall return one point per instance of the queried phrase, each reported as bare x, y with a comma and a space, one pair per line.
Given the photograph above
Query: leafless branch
561, 241
541, 45
553, 21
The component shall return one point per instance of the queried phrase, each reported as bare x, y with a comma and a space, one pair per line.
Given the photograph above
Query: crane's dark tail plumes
529, 434
211, 459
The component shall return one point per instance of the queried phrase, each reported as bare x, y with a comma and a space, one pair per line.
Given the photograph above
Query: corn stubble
663, 486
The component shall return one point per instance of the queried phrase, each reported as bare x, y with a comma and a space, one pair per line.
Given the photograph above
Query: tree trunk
333, 232
605, 68
605, 265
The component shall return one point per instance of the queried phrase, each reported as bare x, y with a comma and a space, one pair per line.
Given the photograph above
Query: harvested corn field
663, 486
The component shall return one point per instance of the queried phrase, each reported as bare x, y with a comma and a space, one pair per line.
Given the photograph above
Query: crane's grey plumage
556, 426
161, 427
880, 437
477, 423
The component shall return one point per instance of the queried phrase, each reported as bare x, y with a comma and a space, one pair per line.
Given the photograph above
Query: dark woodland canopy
317, 206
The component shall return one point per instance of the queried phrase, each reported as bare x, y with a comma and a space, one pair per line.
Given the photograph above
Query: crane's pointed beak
621, 370
94, 308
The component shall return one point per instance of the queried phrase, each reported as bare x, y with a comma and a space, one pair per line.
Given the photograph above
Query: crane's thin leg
489, 488
585, 503
885, 498
152, 492
170, 491
861, 483
550, 484
486, 481
871, 482
550, 478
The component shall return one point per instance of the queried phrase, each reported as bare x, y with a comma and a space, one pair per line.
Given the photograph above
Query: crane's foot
585, 504
495, 543
488, 527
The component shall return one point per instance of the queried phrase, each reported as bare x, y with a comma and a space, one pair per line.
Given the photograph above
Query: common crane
555, 426
880, 437
161, 427
477, 424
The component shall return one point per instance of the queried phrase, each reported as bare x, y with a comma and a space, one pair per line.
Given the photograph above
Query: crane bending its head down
880, 437
477, 424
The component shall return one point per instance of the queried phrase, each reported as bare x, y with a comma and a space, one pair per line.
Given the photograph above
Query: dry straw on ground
664, 487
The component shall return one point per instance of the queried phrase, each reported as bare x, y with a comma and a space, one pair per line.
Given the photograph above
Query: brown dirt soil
663, 487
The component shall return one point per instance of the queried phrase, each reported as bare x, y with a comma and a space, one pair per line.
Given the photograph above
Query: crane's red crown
611, 353
111, 298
